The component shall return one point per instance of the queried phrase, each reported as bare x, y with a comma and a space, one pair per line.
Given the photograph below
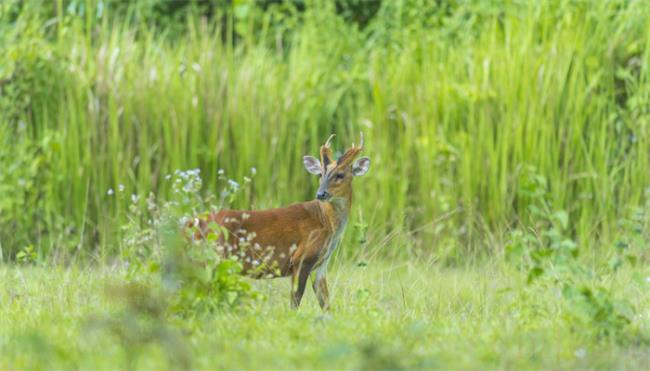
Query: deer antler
350, 154
360, 147
326, 153
327, 143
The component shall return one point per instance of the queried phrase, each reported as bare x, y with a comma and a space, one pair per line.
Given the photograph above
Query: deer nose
322, 195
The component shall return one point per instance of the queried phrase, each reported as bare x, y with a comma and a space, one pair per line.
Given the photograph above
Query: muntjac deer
297, 239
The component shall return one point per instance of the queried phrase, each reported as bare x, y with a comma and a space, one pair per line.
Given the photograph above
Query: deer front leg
320, 287
300, 274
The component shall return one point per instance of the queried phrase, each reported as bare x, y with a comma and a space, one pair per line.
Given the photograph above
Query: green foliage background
463, 104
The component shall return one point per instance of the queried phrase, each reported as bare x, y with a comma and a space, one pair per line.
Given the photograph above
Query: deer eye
340, 176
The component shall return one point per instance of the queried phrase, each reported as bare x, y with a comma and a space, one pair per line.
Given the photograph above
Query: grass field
407, 315
504, 224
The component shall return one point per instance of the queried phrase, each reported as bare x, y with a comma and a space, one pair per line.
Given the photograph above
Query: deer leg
300, 275
320, 287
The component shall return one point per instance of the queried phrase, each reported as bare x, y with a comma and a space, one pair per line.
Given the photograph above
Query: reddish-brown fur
292, 240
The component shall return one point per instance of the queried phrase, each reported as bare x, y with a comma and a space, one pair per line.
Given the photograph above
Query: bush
195, 276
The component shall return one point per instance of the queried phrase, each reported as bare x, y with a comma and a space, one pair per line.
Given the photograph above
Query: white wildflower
120, 187
110, 192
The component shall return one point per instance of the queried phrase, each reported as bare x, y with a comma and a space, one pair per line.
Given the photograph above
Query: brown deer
297, 239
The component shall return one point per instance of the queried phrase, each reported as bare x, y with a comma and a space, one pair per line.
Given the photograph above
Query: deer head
336, 175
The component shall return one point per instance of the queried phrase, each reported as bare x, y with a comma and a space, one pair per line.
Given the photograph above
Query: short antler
327, 143
349, 155
360, 147
326, 153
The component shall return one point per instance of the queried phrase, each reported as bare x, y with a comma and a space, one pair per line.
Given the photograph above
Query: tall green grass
459, 105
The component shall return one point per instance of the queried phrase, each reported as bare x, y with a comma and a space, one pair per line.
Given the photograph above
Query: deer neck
336, 211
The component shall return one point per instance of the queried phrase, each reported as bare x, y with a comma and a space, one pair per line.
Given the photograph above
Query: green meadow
504, 222
412, 315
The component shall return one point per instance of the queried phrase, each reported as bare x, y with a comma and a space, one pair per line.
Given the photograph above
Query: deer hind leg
300, 274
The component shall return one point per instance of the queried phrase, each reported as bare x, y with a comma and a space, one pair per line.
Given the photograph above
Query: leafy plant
632, 241
551, 259
194, 274
597, 310
26, 255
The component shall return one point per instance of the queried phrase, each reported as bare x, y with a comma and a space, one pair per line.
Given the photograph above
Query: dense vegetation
460, 104
505, 220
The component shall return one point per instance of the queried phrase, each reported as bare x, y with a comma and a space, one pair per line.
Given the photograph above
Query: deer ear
361, 166
312, 165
